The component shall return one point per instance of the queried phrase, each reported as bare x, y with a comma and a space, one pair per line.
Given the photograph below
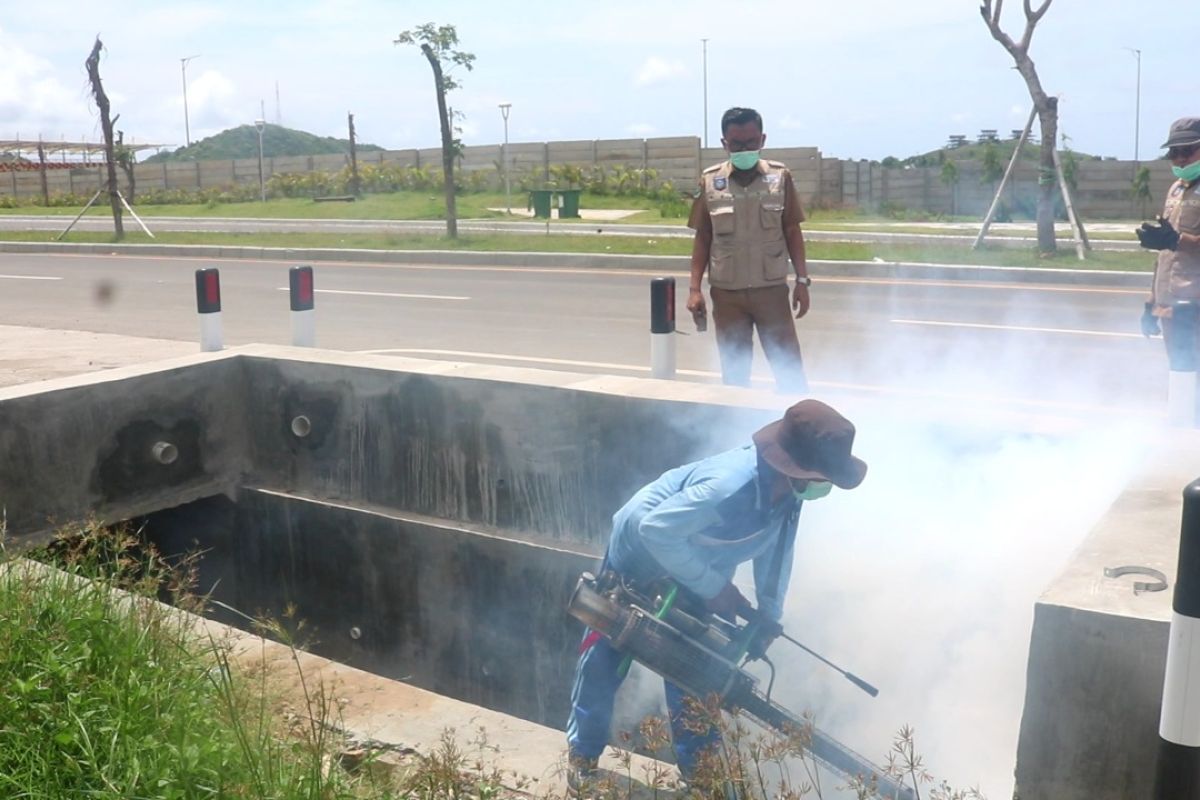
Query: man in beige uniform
1176, 289
747, 220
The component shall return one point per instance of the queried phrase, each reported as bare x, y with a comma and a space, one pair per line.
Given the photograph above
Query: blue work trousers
597, 679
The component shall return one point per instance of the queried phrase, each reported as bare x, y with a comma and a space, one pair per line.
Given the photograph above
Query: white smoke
923, 582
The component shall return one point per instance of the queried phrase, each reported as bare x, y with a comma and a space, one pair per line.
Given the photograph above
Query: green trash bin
539, 201
570, 203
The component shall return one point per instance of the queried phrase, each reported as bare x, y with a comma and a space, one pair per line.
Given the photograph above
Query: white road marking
30, 278
764, 380
647, 273
1072, 331
384, 294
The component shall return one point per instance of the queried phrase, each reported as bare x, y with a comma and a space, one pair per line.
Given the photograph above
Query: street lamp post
504, 109
704, 42
261, 125
187, 130
1137, 109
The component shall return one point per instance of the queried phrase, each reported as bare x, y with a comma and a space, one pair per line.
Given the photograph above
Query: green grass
111, 695
398, 205
619, 245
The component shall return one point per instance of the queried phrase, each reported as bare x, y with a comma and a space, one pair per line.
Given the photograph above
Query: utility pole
1137, 109
704, 42
504, 109
187, 129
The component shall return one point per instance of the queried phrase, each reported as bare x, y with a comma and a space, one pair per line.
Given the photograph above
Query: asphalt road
1018, 235
1044, 349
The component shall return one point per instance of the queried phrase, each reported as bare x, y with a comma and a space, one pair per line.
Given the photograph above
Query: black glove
1161, 236
767, 631
1150, 326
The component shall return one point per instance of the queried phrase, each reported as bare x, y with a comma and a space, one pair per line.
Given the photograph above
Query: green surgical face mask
746, 159
813, 490
1189, 173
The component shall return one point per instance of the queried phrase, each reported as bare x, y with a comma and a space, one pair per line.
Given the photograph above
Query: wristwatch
803, 280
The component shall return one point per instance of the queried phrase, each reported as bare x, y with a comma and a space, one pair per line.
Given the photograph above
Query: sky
855, 78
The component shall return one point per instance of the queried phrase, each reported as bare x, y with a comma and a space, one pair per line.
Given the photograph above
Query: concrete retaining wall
1104, 188
467, 615
75, 447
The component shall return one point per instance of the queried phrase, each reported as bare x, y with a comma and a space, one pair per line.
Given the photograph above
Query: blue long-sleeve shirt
701, 520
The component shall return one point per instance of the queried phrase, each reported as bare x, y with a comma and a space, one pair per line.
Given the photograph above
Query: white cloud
32, 99
641, 129
657, 70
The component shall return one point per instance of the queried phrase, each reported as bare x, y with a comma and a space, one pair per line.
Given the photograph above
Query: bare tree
106, 124
439, 44
126, 160
1047, 108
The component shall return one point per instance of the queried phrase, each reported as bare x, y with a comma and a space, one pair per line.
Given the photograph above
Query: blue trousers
594, 694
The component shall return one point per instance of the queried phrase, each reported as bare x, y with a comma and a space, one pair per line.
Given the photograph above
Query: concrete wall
480, 618
80, 446
539, 462
1097, 651
1103, 187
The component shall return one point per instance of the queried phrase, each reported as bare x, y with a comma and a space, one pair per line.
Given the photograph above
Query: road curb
817, 268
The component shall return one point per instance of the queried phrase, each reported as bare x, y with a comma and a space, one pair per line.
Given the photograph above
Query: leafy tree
1047, 107
992, 165
1141, 189
949, 177
439, 43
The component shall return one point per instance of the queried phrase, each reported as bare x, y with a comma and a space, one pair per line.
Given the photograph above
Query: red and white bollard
662, 328
208, 306
304, 324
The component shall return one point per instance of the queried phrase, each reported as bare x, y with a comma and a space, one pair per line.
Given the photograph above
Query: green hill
242, 142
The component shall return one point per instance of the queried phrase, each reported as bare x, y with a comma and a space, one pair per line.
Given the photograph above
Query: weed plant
110, 694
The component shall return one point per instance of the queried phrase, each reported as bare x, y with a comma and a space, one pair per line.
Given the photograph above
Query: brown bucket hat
1184, 132
812, 442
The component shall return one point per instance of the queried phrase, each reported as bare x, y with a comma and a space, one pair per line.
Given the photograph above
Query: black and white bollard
1181, 357
1178, 774
662, 328
304, 324
208, 306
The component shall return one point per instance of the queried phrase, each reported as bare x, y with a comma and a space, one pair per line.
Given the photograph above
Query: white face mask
813, 490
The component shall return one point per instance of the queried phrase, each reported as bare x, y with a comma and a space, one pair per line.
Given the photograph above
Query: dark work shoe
581, 774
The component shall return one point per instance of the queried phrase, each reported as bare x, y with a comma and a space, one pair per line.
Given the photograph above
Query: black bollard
1177, 776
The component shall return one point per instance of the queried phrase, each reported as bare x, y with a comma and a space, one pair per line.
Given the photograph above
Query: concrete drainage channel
426, 520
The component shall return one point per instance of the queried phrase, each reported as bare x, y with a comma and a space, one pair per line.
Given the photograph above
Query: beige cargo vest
748, 246
1178, 273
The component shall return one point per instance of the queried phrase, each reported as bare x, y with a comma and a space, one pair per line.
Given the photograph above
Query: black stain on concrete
126, 466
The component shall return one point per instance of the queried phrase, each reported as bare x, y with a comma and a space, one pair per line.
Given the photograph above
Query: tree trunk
42, 169
355, 186
1048, 116
93, 70
447, 143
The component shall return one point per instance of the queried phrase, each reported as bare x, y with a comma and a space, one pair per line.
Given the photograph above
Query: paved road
1048, 349
955, 234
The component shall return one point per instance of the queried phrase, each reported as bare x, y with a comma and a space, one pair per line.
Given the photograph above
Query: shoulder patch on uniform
719, 183
713, 168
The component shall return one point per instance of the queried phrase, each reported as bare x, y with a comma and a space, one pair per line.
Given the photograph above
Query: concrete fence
1104, 188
